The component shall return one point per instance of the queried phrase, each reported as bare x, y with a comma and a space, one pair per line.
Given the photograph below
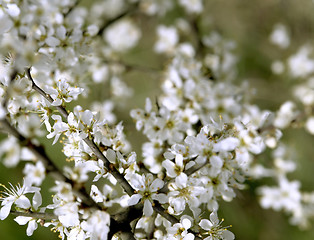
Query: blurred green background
249, 23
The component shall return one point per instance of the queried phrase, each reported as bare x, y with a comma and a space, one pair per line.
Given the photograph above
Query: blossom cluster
203, 135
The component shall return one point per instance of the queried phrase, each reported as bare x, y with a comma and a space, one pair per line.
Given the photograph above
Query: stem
38, 215
110, 167
188, 172
61, 109
118, 17
159, 209
195, 168
200, 48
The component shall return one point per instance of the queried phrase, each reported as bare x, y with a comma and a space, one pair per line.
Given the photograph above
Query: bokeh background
249, 24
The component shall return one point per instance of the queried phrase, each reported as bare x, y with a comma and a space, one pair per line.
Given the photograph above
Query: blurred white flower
300, 64
285, 115
286, 196
192, 6
309, 125
279, 36
167, 39
122, 35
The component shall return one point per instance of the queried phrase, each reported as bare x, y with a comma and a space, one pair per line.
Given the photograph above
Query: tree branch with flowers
203, 135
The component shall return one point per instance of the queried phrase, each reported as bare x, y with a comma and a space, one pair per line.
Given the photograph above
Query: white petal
148, 105
228, 144
134, 199
87, 117
216, 162
156, 185
206, 224
169, 166
178, 204
138, 182
148, 179
161, 197
32, 226
189, 236
5, 210
148, 208
227, 235
69, 220
179, 160
181, 180
13, 10
111, 155
52, 41
186, 223
6, 24
214, 218
22, 220
37, 200
23, 202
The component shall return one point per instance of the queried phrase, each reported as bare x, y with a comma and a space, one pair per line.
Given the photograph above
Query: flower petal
161, 197
156, 185
186, 223
5, 210
134, 199
32, 226
22, 220
206, 224
148, 208
227, 235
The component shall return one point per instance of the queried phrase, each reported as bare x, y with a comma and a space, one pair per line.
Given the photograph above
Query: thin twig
38, 215
200, 47
46, 96
128, 11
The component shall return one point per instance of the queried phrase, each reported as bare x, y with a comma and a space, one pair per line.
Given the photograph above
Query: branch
46, 96
38, 215
188, 172
118, 17
109, 166
200, 47
90, 142
195, 168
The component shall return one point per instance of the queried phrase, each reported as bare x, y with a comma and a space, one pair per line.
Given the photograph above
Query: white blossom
147, 189
213, 229
16, 195
122, 35
279, 36
167, 39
